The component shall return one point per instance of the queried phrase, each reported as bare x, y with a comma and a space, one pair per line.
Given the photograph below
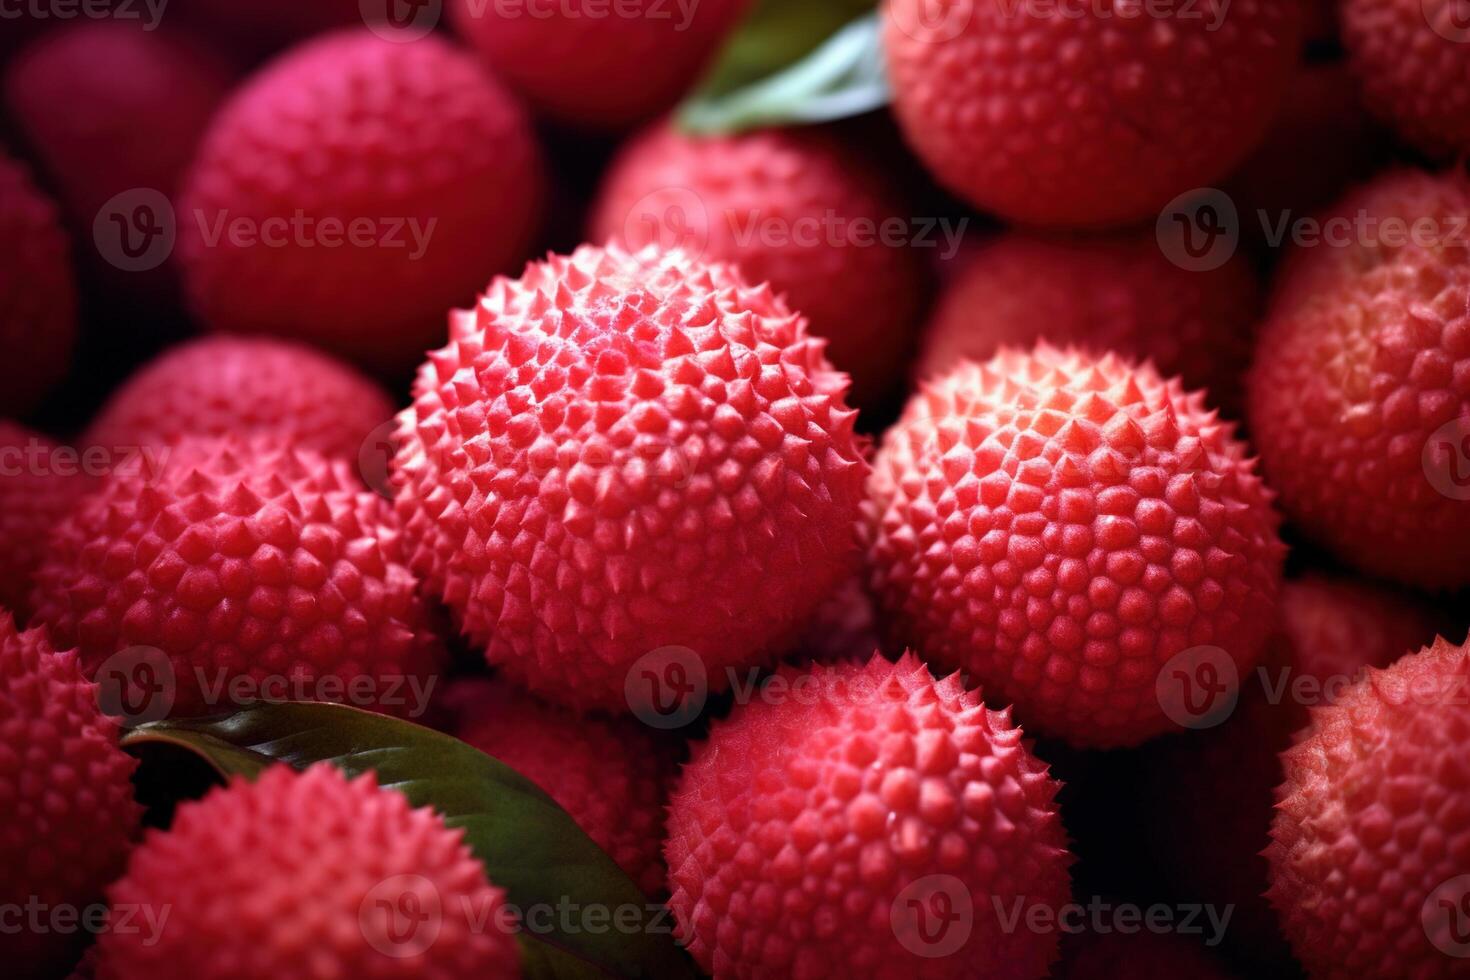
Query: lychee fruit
353, 882
1117, 293
67, 795
1413, 66
38, 293
618, 453
878, 824
612, 776
1070, 530
40, 482
1370, 849
1053, 115
260, 571
354, 190
795, 209
248, 386
597, 72
1359, 397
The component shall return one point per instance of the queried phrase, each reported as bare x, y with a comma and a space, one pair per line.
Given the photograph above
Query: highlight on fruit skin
1370, 849
1072, 531
354, 882
622, 453
870, 821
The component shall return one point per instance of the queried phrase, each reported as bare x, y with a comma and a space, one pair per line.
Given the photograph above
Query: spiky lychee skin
247, 386
1363, 358
354, 882
1372, 818
612, 776
618, 453
243, 560
38, 293
801, 824
415, 145
1079, 117
1060, 526
1117, 293
795, 209
597, 72
37, 489
1413, 67
66, 790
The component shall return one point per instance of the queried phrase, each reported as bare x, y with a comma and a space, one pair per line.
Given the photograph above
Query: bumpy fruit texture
309, 875
1060, 527
65, 790
618, 453
37, 489
598, 73
1119, 293
1359, 397
38, 293
1413, 64
613, 777
220, 386
1371, 841
795, 209
355, 189
1085, 116
810, 834
1218, 785
245, 563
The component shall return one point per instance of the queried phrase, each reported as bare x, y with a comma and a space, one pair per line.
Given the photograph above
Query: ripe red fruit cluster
1021, 531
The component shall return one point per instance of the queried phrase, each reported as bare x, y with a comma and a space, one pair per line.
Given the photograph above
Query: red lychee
1359, 397
67, 796
308, 875
820, 833
1370, 850
597, 72
353, 191
795, 209
1081, 115
40, 482
619, 453
259, 571
38, 294
244, 386
1065, 528
1119, 293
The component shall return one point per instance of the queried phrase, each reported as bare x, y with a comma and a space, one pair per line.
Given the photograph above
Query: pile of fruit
735, 488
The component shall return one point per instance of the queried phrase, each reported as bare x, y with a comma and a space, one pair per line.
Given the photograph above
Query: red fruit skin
1060, 527
599, 73
37, 489
1118, 293
1079, 117
310, 903
1218, 785
65, 789
612, 776
1372, 817
618, 453
1141, 955
764, 201
243, 559
38, 293
1363, 358
801, 822
1412, 62
354, 128
247, 386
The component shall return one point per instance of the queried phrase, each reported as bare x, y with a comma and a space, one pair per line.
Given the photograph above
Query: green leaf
530, 846
828, 67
